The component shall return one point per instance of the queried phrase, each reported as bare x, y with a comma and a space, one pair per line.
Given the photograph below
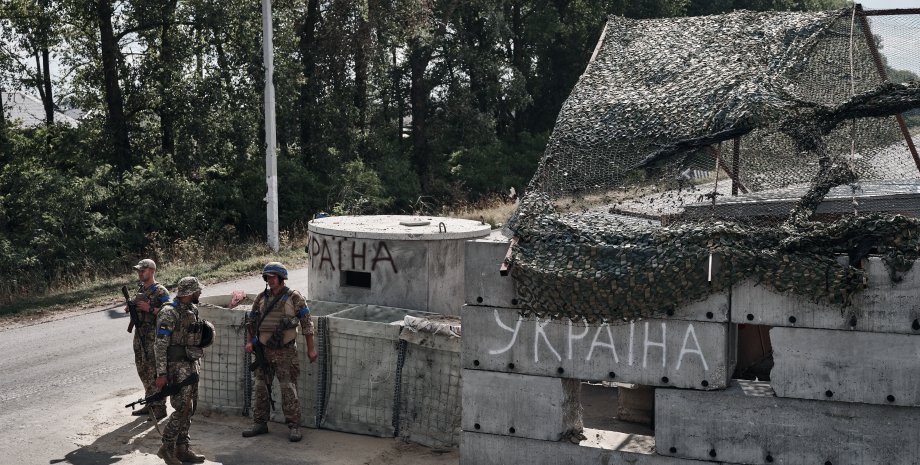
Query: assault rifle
132, 310
169, 390
258, 352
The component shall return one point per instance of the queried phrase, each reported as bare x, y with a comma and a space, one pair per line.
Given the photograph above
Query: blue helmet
275, 268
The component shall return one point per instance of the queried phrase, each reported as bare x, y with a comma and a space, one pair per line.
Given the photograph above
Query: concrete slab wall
747, 423
885, 306
534, 407
483, 283
485, 286
678, 353
490, 449
846, 366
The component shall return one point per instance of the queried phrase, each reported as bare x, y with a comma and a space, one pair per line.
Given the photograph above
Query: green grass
222, 263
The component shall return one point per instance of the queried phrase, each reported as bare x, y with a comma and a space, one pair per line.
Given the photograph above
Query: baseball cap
145, 263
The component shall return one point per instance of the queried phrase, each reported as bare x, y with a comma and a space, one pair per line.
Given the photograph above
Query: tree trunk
419, 90
114, 101
43, 67
167, 72
3, 149
398, 97
309, 92
362, 45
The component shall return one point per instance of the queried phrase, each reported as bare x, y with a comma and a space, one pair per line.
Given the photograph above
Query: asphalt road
56, 370
66, 378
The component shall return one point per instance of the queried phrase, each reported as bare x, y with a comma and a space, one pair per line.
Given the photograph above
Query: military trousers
145, 359
180, 421
285, 365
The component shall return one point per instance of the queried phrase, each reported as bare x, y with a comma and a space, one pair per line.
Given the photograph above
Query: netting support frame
870, 42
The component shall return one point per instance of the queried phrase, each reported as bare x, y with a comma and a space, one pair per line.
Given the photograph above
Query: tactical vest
148, 319
282, 310
186, 337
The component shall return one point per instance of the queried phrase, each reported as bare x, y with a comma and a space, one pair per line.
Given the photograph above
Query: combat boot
185, 454
255, 430
142, 412
167, 452
294, 434
159, 412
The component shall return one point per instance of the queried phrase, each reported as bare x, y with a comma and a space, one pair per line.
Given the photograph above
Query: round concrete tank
413, 262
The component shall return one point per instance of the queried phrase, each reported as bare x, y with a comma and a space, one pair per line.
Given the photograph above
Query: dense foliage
380, 104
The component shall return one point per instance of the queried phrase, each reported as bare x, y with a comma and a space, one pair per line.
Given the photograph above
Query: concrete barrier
602, 447
747, 423
391, 260
846, 366
885, 307
534, 407
484, 286
658, 352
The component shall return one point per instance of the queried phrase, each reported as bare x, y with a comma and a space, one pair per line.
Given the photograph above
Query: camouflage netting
765, 143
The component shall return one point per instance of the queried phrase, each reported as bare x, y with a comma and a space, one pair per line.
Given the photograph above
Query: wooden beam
505, 268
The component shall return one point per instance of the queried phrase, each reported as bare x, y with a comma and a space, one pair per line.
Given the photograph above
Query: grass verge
243, 260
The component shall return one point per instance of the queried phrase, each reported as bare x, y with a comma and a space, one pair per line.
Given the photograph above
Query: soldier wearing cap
180, 338
150, 297
273, 322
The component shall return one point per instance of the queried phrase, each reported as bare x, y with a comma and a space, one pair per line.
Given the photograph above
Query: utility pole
271, 162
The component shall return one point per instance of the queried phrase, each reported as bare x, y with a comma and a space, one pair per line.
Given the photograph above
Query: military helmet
207, 334
188, 286
275, 268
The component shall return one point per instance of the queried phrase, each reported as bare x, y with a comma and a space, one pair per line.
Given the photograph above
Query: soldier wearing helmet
276, 314
180, 338
150, 297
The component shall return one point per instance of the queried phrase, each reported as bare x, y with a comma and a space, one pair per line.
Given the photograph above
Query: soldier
180, 339
272, 323
150, 297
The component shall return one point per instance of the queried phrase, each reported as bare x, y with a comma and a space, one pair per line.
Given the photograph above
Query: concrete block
847, 366
396, 271
484, 285
445, 277
657, 352
747, 423
884, 307
533, 407
602, 447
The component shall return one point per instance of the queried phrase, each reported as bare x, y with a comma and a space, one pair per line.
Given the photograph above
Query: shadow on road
103, 450
116, 313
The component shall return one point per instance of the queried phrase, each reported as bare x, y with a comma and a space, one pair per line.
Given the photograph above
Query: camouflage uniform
280, 351
177, 354
145, 337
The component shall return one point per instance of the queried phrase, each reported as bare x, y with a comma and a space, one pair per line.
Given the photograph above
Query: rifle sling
270, 307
